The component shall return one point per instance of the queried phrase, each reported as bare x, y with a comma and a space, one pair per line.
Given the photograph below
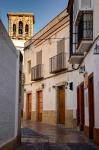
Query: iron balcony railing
58, 63
37, 72
84, 28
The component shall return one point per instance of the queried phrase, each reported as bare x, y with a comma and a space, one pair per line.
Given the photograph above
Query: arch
14, 29
20, 27
26, 28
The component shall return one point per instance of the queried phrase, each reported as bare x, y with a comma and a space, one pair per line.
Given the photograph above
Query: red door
82, 118
29, 106
39, 105
61, 105
91, 105
80, 106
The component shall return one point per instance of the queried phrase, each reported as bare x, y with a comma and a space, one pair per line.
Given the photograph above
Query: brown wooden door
91, 105
29, 106
39, 105
82, 116
78, 107
61, 105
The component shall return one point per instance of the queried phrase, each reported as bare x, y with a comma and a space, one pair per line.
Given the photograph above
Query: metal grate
84, 27
37, 72
58, 63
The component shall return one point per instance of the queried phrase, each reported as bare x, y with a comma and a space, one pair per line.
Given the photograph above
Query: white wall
8, 71
91, 63
96, 18
19, 44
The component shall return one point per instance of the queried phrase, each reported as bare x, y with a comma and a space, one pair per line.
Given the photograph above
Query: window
14, 29
20, 27
61, 46
85, 27
29, 66
39, 57
26, 28
88, 26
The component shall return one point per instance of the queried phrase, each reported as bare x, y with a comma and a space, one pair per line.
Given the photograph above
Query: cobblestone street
37, 136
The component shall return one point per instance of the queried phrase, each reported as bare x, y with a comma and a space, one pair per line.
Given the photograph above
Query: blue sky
44, 10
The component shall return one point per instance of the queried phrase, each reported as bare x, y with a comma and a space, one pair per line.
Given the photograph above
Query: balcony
58, 63
37, 72
84, 30
76, 58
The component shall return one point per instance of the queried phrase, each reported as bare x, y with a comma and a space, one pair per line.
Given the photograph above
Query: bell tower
20, 25
20, 28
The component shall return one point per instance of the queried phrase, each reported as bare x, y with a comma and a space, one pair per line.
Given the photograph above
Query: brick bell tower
20, 28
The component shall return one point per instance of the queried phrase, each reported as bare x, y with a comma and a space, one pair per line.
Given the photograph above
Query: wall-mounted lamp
66, 85
53, 86
71, 86
24, 90
96, 49
82, 69
42, 85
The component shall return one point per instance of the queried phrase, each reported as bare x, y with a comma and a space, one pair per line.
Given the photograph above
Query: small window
26, 29
61, 46
39, 57
14, 29
20, 27
29, 66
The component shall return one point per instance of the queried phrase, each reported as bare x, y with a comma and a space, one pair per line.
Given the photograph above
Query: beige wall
49, 49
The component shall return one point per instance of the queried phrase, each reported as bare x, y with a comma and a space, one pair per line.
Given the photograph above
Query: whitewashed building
84, 57
9, 91
45, 90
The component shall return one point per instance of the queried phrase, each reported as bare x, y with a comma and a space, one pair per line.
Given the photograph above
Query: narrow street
38, 136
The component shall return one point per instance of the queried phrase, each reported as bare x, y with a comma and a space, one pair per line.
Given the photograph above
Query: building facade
46, 93
84, 57
9, 91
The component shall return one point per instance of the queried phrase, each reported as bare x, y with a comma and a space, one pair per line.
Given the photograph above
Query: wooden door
91, 105
29, 106
39, 106
78, 107
61, 105
82, 115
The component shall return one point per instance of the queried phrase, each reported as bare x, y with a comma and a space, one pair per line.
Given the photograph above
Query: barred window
26, 28
14, 28
20, 27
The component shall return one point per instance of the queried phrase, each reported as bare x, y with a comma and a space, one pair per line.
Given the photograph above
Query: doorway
29, 106
80, 106
82, 115
61, 105
39, 105
91, 105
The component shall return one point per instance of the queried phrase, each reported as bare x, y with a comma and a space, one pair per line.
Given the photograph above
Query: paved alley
38, 136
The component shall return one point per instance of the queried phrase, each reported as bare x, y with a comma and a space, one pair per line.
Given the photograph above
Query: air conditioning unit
86, 4
81, 5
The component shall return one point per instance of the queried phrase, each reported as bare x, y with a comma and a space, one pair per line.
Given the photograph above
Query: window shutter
61, 46
39, 57
29, 66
